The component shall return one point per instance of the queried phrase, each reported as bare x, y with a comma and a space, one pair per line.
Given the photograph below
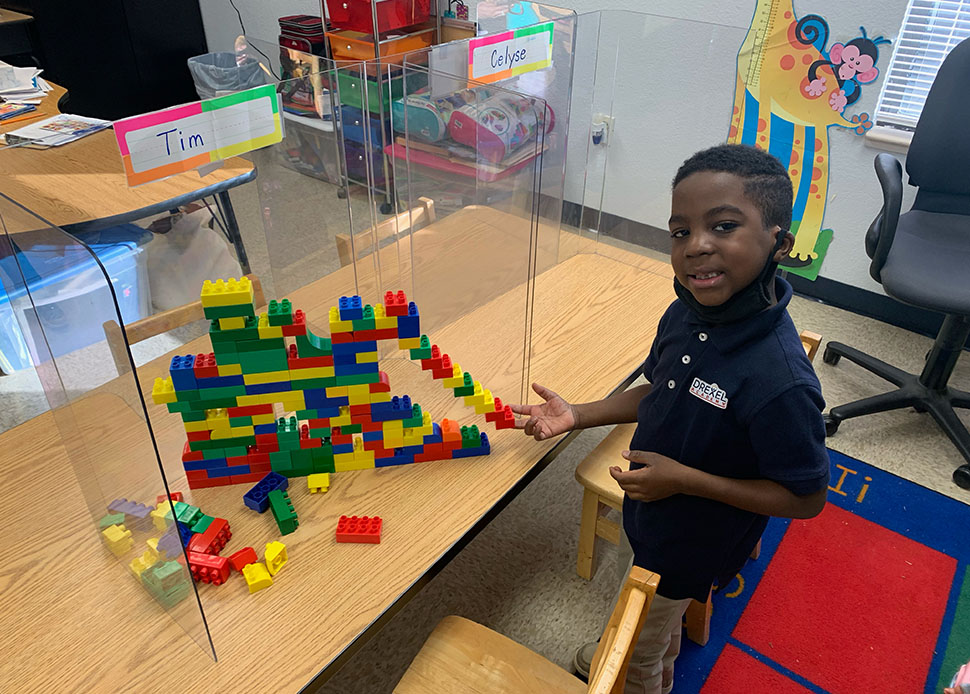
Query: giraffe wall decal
791, 88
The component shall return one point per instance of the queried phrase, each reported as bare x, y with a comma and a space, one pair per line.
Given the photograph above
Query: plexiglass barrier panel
634, 123
63, 298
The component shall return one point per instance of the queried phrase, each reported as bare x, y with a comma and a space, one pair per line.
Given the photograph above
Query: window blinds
930, 30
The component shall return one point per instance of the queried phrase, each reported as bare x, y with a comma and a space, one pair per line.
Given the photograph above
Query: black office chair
922, 257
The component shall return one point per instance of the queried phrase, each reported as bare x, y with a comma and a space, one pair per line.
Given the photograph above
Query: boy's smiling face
719, 242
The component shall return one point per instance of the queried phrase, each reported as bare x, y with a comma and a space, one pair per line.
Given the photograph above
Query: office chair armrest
879, 238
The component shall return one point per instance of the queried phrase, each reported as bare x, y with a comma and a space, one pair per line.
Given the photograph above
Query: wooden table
81, 186
73, 620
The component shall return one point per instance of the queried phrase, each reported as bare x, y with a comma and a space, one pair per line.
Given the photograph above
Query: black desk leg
232, 227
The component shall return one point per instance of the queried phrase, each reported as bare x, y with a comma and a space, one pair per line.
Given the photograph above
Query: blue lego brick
327, 412
484, 449
381, 407
264, 428
257, 498
342, 349
210, 464
185, 533
318, 396
182, 372
373, 435
351, 308
264, 388
220, 381
398, 459
409, 325
400, 408
343, 448
412, 450
356, 369
229, 471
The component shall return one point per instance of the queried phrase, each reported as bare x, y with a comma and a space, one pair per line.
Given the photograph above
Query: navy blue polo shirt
738, 400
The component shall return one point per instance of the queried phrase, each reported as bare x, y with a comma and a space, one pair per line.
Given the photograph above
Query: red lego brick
363, 529
193, 475
174, 496
395, 304
256, 457
311, 443
249, 410
384, 386
208, 568
261, 468
341, 338
371, 426
319, 423
254, 475
435, 362
247, 555
496, 413
205, 366
298, 326
359, 409
188, 454
205, 483
507, 420
373, 446
265, 438
198, 435
236, 460
213, 539
379, 452
447, 370
365, 335
386, 334
338, 439
361, 419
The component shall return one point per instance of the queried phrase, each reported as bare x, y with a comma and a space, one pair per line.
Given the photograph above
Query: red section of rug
847, 604
737, 672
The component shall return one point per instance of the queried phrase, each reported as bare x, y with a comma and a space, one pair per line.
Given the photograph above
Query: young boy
729, 427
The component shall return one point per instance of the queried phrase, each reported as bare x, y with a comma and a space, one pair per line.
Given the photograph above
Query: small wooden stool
601, 493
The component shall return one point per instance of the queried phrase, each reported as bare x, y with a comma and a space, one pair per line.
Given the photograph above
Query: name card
511, 53
167, 142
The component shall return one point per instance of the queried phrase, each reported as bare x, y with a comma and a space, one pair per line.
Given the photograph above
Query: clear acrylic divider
99, 433
632, 126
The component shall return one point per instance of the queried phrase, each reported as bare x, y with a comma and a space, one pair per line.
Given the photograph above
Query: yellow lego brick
257, 576
161, 516
266, 377
247, 400
118, 539
380, 397
392, 442
275, 557
337, 391
221, 433
343, 419
139, 564
313, 372
413, 440
264, 418
379, 311
478, 397
195, 426
293, 401
337, 325
242, 431
457, 379
409, 342
267, 331
385, 323
220, 413
152, 543
365, 456
367, 358
348, 462
229, 292
232, 323
393, 425
163, 392
318, 482
486, 405
359, 398
230, 369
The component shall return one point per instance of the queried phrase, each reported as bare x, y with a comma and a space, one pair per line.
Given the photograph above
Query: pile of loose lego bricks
344, 417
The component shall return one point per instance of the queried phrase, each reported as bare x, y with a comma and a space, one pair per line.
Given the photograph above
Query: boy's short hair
766, 180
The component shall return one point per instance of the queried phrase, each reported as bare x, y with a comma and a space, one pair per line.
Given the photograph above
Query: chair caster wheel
342, 193
962, 476
830, 357
386, 208
831, 424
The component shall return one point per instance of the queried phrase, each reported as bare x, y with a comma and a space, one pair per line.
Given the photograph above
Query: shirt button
671, 384
702, 337
685, 359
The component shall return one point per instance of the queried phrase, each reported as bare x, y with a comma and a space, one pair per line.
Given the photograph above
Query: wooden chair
601, 493
422, 214
160, 323
462, 657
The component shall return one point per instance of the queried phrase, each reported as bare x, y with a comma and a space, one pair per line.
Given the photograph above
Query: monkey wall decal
852, 64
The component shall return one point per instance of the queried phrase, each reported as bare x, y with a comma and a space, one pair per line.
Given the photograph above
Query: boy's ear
786, 244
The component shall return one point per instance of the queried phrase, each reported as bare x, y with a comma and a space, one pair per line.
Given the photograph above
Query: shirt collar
729, 337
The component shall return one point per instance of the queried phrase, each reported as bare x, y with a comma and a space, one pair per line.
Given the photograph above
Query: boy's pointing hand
661, 477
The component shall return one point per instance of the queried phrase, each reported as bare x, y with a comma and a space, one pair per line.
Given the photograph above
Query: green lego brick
111, 519
191, 395
234, 311
306, 414
468, 387
167, 582
258, 345
284, 425
280, 313
223, 392
259, 362
218, 335
323, 466
236, 451
280, 462
201, 523
182, 407
351, 429
358, 379
213, 404
227, 443
310, 345
186, 513
470, 437
322, 432
193, 416
223, 348
424, 351
308, 383
364, 323
240, 421
283, 512
416, 419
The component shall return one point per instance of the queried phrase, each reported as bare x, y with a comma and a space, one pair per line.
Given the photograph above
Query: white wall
674, 96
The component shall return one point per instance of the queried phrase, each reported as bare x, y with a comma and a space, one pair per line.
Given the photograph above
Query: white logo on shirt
709, 393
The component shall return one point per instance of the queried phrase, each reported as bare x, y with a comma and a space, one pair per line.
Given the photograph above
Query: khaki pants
659, 643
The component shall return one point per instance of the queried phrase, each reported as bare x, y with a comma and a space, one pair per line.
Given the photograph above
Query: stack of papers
22, 85
13, 110
57, 130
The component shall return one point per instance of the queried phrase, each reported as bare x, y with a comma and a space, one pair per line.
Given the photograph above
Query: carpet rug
872, 595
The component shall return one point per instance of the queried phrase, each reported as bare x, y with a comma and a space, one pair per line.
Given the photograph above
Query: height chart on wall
794, 82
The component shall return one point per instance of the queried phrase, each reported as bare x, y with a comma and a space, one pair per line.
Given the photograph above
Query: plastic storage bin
391, 14
350, 88
354, 45
353, 123
71, 299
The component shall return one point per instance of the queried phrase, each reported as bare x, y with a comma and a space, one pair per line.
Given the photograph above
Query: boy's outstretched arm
556, 416
662, 477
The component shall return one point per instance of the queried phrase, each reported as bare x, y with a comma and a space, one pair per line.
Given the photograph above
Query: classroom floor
518, 575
